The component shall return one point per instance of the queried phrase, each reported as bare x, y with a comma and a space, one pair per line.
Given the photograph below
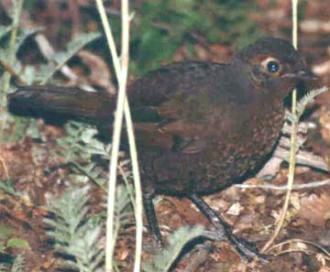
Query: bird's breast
247, 146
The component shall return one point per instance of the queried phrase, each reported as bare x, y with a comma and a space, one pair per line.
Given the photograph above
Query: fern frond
302, 103
309, 98
163, 261
19, 263
73, 47
73, 232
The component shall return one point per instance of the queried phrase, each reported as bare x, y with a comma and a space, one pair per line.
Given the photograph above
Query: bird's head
275, 66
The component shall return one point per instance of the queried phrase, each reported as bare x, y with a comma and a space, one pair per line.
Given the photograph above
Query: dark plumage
200, 126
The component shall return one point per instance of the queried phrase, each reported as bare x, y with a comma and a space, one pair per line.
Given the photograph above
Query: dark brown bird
200, 126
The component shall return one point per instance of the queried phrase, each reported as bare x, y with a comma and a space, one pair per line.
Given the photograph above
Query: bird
200, 126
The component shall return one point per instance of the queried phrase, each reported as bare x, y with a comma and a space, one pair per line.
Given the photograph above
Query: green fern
76, 233
73, 231
60, 58
18, 265
79, 147
5, 30
164, 260
8, 187
302, 103
309, 98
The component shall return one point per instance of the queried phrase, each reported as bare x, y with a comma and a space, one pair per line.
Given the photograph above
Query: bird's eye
273, 66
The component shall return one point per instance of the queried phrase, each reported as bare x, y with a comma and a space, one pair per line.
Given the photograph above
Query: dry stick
122, 104
9, 69
110, 242
133, 151
310, 185
305, 242
17, 9
115, 147
5, 168
138, 190
293, 141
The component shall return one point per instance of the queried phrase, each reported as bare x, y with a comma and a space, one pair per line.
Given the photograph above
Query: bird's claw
246, 249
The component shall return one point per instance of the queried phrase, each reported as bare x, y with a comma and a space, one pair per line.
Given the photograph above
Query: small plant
76, 233
17, 265
75, 236
79, 147
8, 243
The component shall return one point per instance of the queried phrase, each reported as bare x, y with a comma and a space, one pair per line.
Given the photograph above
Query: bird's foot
246, 249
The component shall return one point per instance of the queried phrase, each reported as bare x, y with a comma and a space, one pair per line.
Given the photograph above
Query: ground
251, 212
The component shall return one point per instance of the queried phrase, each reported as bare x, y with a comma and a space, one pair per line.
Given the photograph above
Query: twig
292, 143
5, 168
310, 185
319, 247
9, 69
138, 212
17, 9
122, 105
110, 237
305, 158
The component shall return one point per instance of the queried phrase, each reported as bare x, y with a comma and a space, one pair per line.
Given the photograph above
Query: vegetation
161, 27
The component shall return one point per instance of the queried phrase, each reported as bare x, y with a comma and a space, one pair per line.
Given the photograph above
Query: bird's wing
172, 106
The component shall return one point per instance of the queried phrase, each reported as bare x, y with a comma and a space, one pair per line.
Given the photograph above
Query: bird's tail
59, 104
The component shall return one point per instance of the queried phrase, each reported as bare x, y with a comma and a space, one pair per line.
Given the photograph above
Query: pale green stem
293, 139
122, 104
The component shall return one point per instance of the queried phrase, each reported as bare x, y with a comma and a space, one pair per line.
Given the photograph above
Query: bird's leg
152, 218
245, 249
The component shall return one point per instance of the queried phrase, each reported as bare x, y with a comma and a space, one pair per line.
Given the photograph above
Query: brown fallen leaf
315, 209
325, 123
322, 69
315, 26
325, 269
99, 71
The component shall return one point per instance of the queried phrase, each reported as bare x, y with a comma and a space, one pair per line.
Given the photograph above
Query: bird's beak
304, 75
307, 75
